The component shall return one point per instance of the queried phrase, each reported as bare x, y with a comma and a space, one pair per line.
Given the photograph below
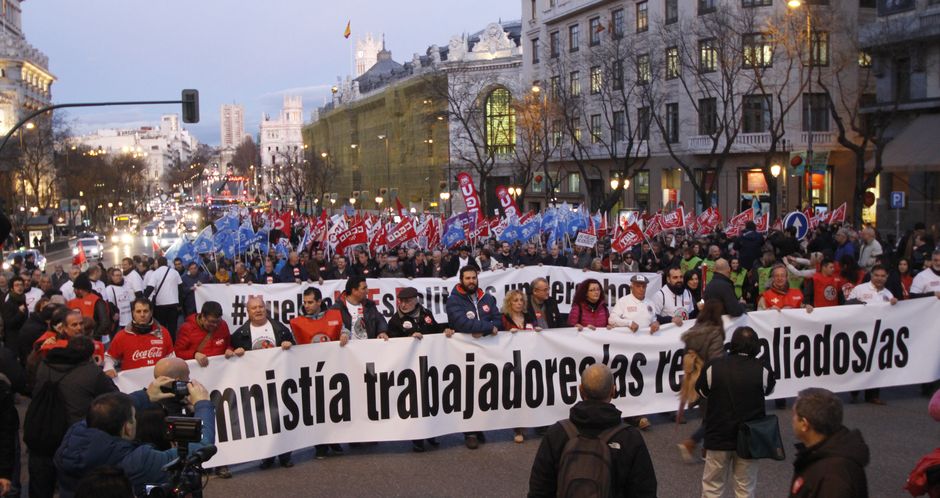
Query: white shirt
134, 281
925, 282
121, 296
169, 293
98, 286
34, 295
867, 294
629, 309
866, 255
68, 292
261, 337
667, 303
357, 325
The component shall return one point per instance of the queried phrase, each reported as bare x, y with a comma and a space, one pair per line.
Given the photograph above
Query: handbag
759, 438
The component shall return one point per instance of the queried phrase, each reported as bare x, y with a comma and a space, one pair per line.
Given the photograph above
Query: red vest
313, 330
85, 304
826, 290
793, 298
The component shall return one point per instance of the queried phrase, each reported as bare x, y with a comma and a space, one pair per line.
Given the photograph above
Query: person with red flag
79, 258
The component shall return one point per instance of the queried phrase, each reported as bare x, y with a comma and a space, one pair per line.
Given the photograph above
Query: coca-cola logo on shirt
149, 355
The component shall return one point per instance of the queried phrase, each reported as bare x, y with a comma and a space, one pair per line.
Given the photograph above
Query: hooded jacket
832, 468
81, 380
631, 470
477, 314
84, 449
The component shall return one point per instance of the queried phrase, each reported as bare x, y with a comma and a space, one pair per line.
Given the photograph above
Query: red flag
778, 225
838, 215
604, 228
155, 247
507, 202
432, 233
629, 237
79, 258
741, 218
654, 227
469, 192
709, 219
320, 229
355, 235
378, 240
401, 209
763, 222
401, 233
673, 220
591, 229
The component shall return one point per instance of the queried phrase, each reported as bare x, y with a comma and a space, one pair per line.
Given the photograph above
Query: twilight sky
250, 53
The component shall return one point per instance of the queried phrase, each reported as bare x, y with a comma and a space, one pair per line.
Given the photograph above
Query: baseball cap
639, 279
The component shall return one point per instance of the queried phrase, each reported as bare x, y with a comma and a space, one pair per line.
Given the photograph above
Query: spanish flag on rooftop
348, 30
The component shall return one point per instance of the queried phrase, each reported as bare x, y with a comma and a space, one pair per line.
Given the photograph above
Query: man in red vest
90, 304
780, 296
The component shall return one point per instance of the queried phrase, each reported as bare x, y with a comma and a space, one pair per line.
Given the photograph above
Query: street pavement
897, 434
113, 253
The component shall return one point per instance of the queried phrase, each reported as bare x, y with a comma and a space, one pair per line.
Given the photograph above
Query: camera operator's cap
408, 293
639, 279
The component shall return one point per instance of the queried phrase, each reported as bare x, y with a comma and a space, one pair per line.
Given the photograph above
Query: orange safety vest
85, 304
793, 298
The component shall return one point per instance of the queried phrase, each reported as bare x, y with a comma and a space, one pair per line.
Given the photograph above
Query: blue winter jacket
472, 316
84, 449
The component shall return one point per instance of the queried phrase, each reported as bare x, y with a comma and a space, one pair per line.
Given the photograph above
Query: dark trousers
283, 457
167, 315
41, 476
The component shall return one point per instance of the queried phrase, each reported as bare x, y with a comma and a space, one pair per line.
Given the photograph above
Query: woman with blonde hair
514, 321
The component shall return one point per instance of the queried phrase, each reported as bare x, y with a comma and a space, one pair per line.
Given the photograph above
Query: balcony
744, 142
820, 138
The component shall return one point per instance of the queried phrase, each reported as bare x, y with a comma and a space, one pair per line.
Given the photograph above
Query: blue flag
204, 242
187, 253
453, 235
227, 222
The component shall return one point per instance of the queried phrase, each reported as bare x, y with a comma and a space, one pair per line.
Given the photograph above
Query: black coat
241, 338
29, 334
553, 317
833, 468
722, 288
424, 323
632, 471
375, 322
9, 429
735, 386
749, 246
80, 380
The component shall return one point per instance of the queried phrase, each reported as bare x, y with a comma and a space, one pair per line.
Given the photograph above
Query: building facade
281, 139
232, 125
661, 92
367, 51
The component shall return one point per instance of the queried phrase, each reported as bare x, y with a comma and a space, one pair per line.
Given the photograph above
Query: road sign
898, 200
799, 221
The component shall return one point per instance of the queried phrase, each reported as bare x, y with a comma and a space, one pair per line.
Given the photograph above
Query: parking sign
898, 200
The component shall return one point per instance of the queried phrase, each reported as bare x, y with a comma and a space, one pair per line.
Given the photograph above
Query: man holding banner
361, 319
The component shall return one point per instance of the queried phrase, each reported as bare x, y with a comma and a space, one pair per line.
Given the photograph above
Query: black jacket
80, 380
30, 332
832, 468
241, 338
632, 471
9, 428
553, 318
13, 316
749, 246
404, 325
735, 386
375, 322
721, 287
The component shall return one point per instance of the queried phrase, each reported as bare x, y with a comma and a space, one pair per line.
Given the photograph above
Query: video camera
186, 469
178, 388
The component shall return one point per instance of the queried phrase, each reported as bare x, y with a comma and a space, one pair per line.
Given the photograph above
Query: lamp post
811, 61
445, 197
388, 172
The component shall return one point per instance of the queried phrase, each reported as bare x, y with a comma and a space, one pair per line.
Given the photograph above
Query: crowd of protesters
144, 310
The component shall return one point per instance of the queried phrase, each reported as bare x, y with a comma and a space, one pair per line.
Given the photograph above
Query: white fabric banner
285, 300
272, 401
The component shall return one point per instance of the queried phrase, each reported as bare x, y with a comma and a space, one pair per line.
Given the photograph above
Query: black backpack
585, 466
46, 419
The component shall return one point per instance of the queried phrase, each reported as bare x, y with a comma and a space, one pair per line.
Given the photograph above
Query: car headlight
6, 266
127, 239
74, 251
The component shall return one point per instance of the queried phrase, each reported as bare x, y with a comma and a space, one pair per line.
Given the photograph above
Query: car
40, 259
167, 239
151, 230
124, 237
87, 235
91, 246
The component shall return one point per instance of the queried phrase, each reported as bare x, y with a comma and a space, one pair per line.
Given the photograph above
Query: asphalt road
113, 253
897, 434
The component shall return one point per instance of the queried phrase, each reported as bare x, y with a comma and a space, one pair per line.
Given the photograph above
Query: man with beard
140, 344
927, 282
340, 269
121, 296
673, 303
361, 317
472, 311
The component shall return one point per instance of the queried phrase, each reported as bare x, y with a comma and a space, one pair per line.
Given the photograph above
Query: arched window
500, 119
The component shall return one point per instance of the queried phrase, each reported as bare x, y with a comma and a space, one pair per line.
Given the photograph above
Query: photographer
106, 437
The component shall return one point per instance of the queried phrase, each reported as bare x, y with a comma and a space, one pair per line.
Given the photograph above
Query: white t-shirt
98, 286
667, 303
169, 293
122, 297
925, 281
68, 292
629, 309
357, 325
261, 337
34, 295
867, 293
134, 281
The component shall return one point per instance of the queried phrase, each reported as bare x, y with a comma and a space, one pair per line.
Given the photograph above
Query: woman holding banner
514, 321
588, 308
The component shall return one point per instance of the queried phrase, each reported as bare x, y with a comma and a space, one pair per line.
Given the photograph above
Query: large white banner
285, 300
272, 401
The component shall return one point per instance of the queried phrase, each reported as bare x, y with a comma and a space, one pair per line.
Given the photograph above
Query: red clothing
326, 328
130, 350
42, 348
583, 314
826, 289
906, 281
191, 334
792, 298
508, 324
85, 304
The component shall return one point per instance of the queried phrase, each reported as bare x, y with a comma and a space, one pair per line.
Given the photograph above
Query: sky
249, 53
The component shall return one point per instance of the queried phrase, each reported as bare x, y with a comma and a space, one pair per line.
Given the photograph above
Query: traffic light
190, 106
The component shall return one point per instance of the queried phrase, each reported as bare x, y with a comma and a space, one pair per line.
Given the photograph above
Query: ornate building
367, 50
25, 80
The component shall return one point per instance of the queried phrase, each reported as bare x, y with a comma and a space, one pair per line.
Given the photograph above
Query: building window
642, 17
672, 123
902, 79
554, 44
617, 17
532, 7
556, 133
643, 123
596, 28
574, 38
758, 50
864, 59
555, 87
574, 183
706, 6
707, 116
617, 76
535, 51
642, 192
500, 122
576, 128
756, 3
820, 48
596, 80
620, 123
707, 56
595, 128
757, 113
574, 82
672, 63
815, 112
643, 71
672, 11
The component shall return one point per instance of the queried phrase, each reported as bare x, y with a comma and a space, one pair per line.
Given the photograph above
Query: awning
912, 148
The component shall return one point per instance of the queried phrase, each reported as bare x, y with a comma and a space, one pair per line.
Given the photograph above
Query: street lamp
614, 183
388, 172
775, 170
352, 200
378, 201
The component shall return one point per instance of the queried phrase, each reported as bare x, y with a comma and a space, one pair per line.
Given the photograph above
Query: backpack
585, 464
46, 419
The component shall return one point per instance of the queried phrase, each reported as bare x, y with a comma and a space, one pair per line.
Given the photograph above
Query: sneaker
471, 442
287, 464
433, 442
321, 453
266, 464
223, 472
686, 453
336, 448
644, 424
417, 446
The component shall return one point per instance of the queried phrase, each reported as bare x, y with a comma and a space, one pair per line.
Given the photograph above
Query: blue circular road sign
799, 221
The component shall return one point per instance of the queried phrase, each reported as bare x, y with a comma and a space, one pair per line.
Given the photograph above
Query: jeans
719, 466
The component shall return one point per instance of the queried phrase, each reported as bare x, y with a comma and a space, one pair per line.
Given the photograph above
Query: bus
125, 226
